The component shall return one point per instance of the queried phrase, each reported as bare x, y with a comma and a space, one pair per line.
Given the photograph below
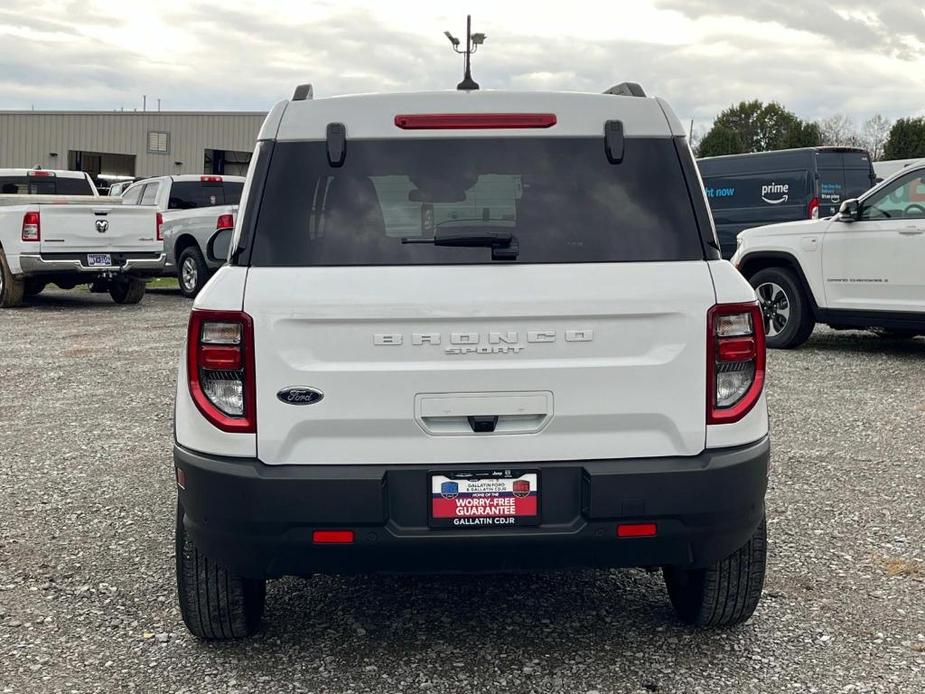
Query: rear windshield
560, 198
188, 195
44, 185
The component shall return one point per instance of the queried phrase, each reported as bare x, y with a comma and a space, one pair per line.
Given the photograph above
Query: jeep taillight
31, 227
159, 221
735, 361
220, 368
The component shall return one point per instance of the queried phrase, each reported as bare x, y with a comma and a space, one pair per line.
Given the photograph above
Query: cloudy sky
816, 57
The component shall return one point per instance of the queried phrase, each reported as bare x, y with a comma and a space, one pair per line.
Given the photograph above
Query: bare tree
874, 135
839, 130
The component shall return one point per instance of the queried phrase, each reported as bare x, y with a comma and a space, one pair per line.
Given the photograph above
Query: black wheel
128, 291
33, 287
192, 272
724, 594
11, 288
216, 604
788, 319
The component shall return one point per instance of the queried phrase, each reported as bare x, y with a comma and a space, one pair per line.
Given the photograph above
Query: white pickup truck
863, 268
55, 228
192, 208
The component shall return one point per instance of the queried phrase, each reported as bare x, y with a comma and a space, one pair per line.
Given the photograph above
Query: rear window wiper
503, 244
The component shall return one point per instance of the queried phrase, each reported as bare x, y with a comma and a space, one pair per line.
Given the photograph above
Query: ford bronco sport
470, 331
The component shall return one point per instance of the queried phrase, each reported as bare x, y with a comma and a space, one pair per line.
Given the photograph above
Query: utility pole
473, 41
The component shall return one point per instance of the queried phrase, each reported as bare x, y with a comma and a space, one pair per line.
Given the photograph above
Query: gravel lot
87, 600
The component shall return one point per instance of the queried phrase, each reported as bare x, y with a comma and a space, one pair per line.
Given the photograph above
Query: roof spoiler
626, 89
303, 92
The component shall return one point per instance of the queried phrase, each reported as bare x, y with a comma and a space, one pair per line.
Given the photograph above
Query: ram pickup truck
192, 208
55, 229
552, 367
859, 269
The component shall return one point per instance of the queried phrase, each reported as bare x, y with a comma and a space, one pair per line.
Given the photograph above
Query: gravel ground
87, 600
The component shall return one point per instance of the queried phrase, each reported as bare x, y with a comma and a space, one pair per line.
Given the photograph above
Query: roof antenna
473, 41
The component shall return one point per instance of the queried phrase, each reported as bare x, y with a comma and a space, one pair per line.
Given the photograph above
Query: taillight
220, 368
31, 227
812, 210
473, 121
735, 361
224, 221
160, 224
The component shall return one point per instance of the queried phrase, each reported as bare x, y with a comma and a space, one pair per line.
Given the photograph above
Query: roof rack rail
303, 92
626, 89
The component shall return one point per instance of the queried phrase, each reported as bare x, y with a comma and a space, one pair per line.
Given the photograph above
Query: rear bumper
257, 520
63, 263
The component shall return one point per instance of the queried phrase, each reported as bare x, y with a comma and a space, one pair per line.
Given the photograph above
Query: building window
158, 142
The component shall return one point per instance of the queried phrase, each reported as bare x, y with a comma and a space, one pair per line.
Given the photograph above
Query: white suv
463, 331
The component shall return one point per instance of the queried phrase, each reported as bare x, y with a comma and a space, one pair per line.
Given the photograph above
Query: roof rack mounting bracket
337, 144
613, 141
626, 89
303, 92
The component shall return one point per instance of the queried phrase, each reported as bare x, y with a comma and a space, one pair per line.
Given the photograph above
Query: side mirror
850, 211
219, 245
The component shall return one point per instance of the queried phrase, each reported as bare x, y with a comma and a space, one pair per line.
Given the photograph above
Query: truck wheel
127, 291
11, 288
192, 272
788, 319
215, 604
724, 594
33, 287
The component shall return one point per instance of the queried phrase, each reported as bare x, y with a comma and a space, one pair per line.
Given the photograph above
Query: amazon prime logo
299, 395
102, 225
778, 192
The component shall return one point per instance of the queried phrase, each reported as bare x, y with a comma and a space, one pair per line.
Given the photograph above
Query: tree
839, 131
906, 139
753, 126
874, 135
720, 140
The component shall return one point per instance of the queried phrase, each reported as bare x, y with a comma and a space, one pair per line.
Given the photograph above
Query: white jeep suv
469, 331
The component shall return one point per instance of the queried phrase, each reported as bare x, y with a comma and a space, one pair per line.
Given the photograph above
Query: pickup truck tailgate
98, 227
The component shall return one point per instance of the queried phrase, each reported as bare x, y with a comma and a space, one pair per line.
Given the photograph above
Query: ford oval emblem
299, 395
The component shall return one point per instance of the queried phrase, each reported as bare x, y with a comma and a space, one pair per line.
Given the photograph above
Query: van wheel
192, 272
788, 320
11, 288
724, 594
216, 605
127, 291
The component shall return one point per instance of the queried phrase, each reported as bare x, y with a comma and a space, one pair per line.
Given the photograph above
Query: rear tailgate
100, 227
608, 366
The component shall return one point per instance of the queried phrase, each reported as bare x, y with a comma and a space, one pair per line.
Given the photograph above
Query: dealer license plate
99, 259
484, 499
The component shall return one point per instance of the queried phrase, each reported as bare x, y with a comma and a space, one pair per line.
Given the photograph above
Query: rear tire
192, 273
11, 288
724, 594
216, 604
127, 291
788, 316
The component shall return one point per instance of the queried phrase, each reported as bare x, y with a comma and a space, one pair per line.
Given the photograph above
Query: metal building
115, 145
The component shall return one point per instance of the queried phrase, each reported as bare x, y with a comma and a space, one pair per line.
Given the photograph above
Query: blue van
750, 190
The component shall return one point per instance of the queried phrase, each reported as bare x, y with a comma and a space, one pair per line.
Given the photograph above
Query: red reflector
332, 537
160, 223
224, 221
210, 179
220, 358
475, 121
181, 478
736, 349
636, 530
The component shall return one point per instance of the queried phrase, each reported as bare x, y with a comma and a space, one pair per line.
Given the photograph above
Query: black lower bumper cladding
258, 520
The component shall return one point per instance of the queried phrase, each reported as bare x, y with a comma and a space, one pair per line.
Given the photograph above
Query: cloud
814, 59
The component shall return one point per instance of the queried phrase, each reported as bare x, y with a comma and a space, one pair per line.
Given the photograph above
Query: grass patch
164, 283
